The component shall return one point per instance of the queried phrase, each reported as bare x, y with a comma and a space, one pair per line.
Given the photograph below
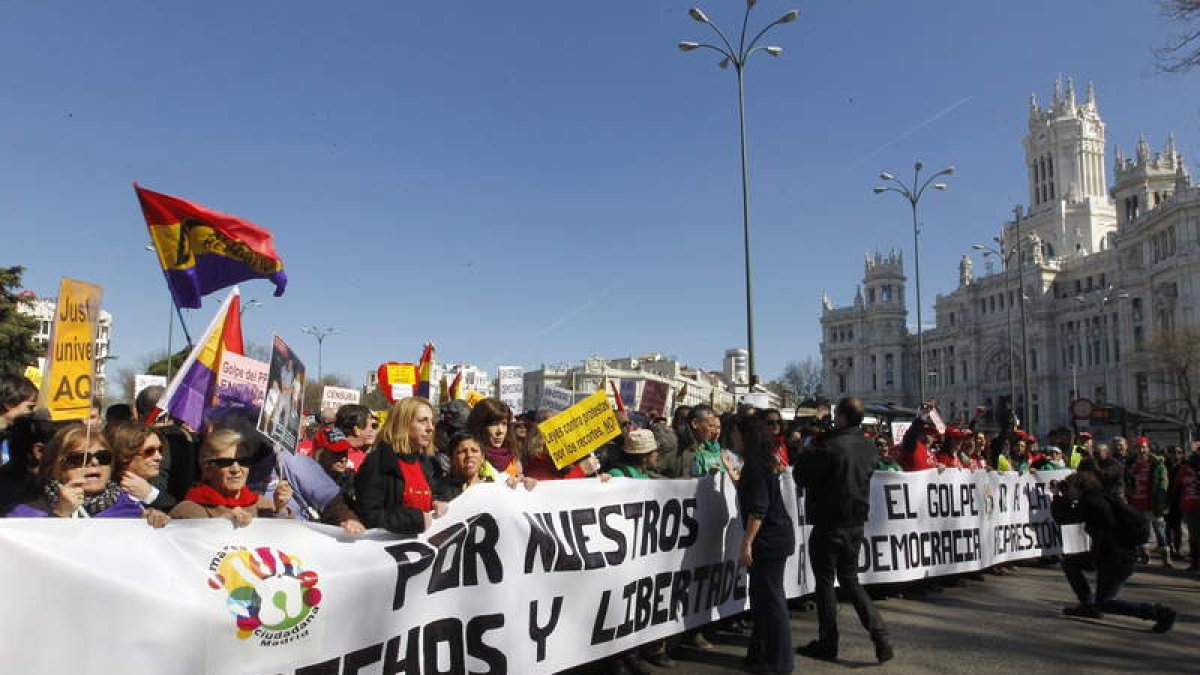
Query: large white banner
509, 581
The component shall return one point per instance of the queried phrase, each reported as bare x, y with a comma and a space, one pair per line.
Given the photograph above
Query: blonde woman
225, 462
394, 485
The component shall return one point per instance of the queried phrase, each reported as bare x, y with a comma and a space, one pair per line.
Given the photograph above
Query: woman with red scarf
394, 483
225, 462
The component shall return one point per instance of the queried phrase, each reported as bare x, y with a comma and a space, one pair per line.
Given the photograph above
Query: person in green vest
639, 457
885, 461
1081, 449
639, 460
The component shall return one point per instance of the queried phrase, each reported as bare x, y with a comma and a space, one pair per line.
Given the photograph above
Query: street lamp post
913, 193
738, 57
1028, 407
320, 334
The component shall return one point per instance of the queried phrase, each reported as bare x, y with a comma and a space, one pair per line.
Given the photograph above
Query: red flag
617, 394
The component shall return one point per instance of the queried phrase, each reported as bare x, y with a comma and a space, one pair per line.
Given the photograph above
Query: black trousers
1112, 569
833, 552
771, 642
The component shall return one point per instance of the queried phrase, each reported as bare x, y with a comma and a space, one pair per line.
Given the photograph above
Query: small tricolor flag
425, 371
192, 389
202, 251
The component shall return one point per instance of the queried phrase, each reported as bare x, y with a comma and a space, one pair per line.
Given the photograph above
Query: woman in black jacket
394, 485
770, 538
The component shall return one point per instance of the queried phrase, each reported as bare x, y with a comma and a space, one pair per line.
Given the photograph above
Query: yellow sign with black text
580, 430
71, 359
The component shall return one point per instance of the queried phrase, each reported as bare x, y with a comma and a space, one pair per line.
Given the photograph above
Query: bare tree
803, 378
1182, 52
1177, 355
313, 389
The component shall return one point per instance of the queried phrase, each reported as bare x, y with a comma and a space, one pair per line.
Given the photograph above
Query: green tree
17, 349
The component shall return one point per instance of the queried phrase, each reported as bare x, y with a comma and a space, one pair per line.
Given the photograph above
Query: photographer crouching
1116, 531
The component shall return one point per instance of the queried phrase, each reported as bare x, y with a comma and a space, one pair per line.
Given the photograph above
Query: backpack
1131, 530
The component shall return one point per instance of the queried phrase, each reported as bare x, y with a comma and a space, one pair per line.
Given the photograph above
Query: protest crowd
351, 470
190, 451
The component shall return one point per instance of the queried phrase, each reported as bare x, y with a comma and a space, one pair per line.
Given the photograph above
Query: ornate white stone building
1103, 268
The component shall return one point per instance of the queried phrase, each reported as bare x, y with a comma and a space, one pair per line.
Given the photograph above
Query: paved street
1001, 625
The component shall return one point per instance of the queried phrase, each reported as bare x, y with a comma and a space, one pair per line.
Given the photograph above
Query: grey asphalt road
989, 624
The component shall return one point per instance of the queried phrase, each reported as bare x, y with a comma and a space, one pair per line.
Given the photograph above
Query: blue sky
538, 182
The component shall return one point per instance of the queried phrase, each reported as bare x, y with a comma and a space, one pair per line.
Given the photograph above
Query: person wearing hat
947, 452
1052, 460
639, 460
639, 457
1146, 486
332, 449
1080, 450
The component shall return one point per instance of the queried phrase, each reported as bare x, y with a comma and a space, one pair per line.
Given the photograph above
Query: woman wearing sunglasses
138, 454
225, 461
75, 477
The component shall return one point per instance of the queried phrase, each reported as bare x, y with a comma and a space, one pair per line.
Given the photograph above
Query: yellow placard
34, 375
474, 397
71, 359
579, 430
401, 373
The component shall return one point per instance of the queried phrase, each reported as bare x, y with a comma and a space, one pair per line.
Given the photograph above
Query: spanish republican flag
425, 371
202, 251
193, 387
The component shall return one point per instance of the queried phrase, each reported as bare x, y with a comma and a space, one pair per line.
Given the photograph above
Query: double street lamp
913, 192
320, 334
737, 58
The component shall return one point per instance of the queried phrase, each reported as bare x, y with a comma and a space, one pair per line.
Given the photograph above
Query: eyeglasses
152, 451
226, 462
75, 460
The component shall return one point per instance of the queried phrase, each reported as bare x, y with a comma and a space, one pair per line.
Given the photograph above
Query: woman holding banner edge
394, 485
769, 539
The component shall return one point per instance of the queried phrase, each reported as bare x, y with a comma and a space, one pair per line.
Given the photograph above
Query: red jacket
1189, 489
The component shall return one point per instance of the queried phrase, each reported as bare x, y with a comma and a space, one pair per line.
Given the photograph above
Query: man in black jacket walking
836, 475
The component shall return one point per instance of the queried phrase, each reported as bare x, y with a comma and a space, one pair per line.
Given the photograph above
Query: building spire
1071, 92
1058, 91
1143, 150
1091, 95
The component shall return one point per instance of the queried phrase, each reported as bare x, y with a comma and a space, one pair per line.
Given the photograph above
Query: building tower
884, 328
1145, 181
1070, 213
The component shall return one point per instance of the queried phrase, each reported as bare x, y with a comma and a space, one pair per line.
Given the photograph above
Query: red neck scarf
206, 495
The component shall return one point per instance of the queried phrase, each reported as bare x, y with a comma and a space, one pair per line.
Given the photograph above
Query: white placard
510, 387
336, 397
140, 382
556, 398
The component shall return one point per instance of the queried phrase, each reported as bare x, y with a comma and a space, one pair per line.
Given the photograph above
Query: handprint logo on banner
269, 593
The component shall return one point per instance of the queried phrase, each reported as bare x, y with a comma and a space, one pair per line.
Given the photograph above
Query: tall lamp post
1012, 376
738, 57
320, 334
913, 193
1027, 409
1108, 296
